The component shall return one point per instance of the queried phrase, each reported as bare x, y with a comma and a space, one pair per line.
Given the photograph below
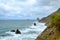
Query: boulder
18, 32
12, 30
34, 24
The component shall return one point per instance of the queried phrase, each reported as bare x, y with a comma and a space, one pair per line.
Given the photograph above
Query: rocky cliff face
51, 32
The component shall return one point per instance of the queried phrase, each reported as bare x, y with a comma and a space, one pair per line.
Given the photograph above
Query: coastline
52, 32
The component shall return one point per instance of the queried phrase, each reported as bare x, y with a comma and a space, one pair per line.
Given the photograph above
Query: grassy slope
47, 19
52, 32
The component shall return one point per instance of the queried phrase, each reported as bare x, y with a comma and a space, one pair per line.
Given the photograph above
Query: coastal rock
34, 24
12, 30
18, 32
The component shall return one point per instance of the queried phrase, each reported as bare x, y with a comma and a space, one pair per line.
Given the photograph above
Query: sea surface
26, 27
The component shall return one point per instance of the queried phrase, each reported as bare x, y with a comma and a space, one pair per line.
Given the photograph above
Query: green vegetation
55, 21
52, 32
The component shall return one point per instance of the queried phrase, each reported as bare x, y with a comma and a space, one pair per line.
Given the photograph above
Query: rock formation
34, 24
18, 32
12, 30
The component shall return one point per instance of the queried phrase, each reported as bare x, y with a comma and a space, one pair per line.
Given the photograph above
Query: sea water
26, 27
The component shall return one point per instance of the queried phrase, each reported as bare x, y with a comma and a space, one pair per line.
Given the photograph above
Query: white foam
39, 28
11, 38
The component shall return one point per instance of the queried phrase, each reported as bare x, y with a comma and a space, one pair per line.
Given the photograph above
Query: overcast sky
27, 9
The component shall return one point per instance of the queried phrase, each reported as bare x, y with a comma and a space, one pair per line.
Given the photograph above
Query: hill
47, 19
52, 32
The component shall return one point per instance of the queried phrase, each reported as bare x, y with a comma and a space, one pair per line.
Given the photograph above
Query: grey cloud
49, 3
40, 9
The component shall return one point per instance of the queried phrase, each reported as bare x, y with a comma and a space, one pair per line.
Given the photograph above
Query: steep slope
52, 32
47, 19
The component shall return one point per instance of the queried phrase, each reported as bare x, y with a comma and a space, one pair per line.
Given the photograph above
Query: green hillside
47, 19
52, 32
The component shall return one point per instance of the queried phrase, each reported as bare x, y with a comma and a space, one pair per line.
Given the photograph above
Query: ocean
26, 27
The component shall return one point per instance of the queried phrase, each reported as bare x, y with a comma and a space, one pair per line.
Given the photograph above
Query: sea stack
34, 24
18, 32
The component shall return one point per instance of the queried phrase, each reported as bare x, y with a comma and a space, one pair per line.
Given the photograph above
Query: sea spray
28, 33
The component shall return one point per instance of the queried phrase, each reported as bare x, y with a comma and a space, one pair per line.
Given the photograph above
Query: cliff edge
52, 32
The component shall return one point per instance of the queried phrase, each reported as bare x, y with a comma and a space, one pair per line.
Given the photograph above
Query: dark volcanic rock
18, 32
12, 30
34, 24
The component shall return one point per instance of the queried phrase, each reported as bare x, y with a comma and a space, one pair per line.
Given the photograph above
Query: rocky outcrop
12, 30
34, 24
18, 32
